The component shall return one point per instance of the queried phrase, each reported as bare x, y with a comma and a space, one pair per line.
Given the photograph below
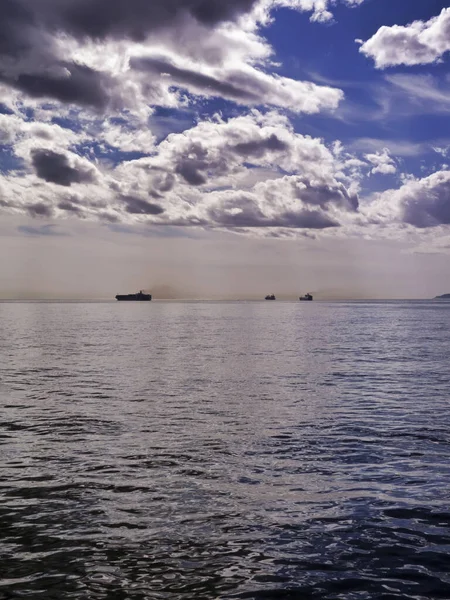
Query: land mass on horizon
443, 297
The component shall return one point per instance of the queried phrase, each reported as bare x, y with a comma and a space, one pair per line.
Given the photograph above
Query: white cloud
420, 42
321, 9
442, 150
250, 172
422, 203
403, 148
420, 93
382, 162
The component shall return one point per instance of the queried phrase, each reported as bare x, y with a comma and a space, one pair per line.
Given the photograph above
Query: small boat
306, 298
139, 297
270, 297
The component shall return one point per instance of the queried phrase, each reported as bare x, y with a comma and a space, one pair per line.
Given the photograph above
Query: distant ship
306, 298
270, 297
139, 297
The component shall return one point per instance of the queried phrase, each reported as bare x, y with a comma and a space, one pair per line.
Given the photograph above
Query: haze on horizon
95, 263
284, 146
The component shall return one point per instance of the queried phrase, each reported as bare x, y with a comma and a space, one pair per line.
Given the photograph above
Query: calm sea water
225, 450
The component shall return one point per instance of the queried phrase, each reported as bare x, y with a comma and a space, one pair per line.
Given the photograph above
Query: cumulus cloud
107, 55
382, 162
246, 173
422, 203
426, 203
138, 206
248, 211
56, 168
418, 43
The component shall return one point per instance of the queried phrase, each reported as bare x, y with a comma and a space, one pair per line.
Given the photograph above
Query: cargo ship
139, 297
306, 298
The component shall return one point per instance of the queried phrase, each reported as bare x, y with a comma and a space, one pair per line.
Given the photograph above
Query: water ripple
220, 450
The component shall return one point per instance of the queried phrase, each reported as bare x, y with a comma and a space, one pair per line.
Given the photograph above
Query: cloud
245, 212
67, 205
72, 83
43, 230
320, 9
135, 19
192, 79
138, 206
96, 19
248, 211
422, 203
419, 43
245, 173
426, 203
243, 84
382, 162
403, 148
257, 148
40, 209
323, 193
55, 168
419, 94
189, 169
115, 54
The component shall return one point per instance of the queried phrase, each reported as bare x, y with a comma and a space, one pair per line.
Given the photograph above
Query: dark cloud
28, 27
69, 206
108, 217
316, 194
133, 19
78, 84
40, 209
137, 18
55, 168
251, 216
429, 205
192, 79
137, 206
195, 163
306, 219
15, 19
189, 170
257, 148
163, 182
190, 221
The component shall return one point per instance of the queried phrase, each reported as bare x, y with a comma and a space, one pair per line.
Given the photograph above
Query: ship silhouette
139, 297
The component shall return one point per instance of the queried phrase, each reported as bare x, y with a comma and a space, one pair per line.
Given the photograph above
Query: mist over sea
219, 450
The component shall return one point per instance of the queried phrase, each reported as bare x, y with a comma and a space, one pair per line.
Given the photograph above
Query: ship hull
134, 298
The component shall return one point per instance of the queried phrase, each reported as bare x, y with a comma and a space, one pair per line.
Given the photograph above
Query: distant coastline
443, 297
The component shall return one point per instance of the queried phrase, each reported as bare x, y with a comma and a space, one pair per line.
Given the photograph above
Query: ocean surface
172, 450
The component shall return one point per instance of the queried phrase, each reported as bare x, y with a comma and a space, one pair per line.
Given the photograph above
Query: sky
210, 149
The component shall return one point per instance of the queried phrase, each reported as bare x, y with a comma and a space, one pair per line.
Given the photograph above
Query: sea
225, 450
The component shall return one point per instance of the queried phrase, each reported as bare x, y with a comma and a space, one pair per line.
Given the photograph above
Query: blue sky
318, 122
